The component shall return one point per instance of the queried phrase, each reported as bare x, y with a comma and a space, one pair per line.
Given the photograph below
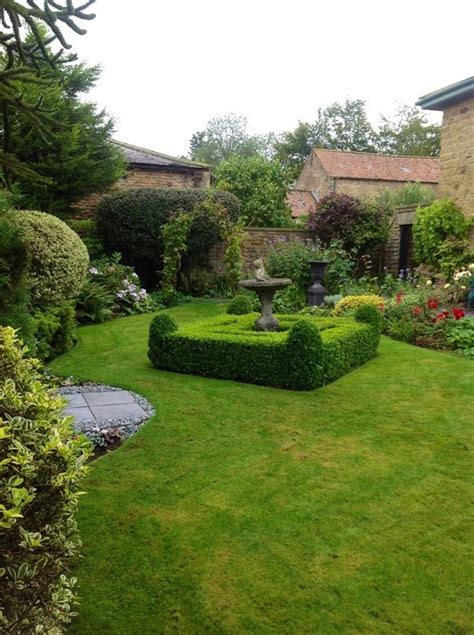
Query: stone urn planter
316, 292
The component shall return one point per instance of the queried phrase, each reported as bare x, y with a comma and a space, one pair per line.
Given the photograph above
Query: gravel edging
108, 431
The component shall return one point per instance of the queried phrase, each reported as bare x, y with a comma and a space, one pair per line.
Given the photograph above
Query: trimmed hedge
130, 222
304, 354
240, 305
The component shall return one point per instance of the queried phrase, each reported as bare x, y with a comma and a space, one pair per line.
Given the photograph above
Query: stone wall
457, 155
367, 187
256, 244
315, 179
391, 258
141, 177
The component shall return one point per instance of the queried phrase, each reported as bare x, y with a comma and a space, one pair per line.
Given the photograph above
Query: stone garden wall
256, 244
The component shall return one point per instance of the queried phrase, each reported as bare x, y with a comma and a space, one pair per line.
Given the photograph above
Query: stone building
301, 203
148, 168
360, 173
457, 141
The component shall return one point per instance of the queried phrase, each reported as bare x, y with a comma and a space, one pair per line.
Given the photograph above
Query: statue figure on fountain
260, 273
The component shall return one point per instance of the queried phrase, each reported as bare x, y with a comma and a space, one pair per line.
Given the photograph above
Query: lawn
242, 508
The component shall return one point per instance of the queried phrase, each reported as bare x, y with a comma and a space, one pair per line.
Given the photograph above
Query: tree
261, 186
227, 135
409, 133
338, 126
23, 60
78, 158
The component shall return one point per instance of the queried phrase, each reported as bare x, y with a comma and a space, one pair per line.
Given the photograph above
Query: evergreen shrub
351, 302
14, 259
131, 222
240, 305
42, 463
304, 354
58, 258
54, 331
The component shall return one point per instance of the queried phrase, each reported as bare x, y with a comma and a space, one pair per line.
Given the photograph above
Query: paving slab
76, 401
118, 411
110, 397
80, 414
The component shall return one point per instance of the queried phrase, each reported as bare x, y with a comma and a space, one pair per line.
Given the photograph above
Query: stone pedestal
316, 292
266, 289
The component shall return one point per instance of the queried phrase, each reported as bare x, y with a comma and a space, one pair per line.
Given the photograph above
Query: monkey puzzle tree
28, 35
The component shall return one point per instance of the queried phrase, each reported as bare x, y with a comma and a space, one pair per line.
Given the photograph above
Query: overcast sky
171, 65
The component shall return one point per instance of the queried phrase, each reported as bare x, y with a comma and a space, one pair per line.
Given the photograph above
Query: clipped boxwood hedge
130, 222
304, 354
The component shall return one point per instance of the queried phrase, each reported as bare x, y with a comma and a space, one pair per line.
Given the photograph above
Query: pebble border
109, 429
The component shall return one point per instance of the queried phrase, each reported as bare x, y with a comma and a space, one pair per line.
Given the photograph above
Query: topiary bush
351, 302
240, 305
298, 357
370, 314
130, 222
42, 464
14, 260
58, 257
305, 355
440, 235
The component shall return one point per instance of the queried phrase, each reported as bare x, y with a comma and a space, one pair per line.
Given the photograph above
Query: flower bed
304, 354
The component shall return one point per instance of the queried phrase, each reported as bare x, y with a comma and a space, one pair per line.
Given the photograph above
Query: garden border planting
306, 353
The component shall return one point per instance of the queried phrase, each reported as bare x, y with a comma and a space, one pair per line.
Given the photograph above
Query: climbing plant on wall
174, 233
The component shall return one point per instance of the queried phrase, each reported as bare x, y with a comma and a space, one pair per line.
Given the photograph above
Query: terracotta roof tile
301, 202
360, 165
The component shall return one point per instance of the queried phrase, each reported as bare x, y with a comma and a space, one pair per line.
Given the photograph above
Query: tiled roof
301, 202
142, 156
360, 165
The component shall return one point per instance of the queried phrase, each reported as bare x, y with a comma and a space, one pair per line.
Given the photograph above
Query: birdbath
265, 287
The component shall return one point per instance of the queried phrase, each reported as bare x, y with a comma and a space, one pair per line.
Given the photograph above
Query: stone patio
103, 406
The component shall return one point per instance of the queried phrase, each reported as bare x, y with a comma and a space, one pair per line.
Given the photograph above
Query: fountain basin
266, 289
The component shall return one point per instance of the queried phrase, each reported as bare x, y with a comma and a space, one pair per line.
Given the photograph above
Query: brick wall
140, 177
457, 155
256, 244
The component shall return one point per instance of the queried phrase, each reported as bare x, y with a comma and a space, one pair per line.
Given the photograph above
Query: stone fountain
265, 287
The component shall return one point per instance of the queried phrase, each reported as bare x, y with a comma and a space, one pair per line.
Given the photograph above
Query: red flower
432, 303
458, 313
398, 297
441, 316
382, 307
417, 310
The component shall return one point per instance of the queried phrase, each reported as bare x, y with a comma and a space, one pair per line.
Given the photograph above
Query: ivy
174, 233
233, 255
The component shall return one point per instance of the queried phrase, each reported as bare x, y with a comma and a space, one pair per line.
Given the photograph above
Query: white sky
171, 65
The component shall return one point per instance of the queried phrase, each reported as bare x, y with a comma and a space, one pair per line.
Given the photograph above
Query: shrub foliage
304, 354
352, 302
131, 222
440, 236
58, 257
42, 464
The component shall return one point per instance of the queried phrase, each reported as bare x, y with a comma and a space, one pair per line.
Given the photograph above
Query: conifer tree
31, 36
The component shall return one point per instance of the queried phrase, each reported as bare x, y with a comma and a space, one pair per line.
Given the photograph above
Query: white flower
429, 283
93, 270
447, 285
471, 266
463, 287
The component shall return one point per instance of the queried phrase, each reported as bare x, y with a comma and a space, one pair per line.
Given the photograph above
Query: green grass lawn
242, 508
